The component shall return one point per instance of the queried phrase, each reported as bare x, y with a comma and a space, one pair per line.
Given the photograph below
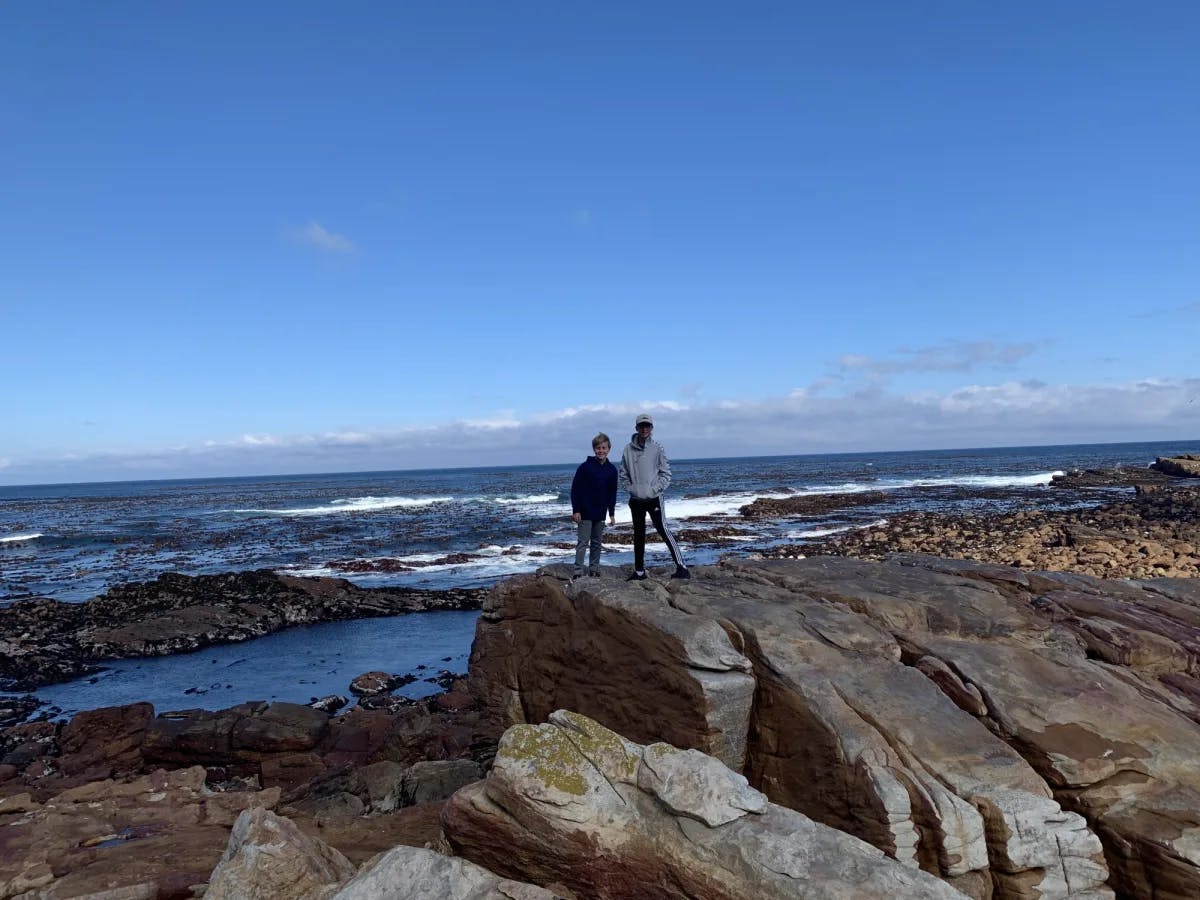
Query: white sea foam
983, 481
897, 484
816, 532
16, 538
533, 506
848, 487
679, 508
822, 532
352, 505
715, 505
483, 562
529, 498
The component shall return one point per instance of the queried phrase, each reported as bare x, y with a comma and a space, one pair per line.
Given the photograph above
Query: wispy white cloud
315, 235
803, 421
952, 356
5, 463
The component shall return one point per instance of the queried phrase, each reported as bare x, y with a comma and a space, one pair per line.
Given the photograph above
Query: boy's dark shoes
681, 572
637, 577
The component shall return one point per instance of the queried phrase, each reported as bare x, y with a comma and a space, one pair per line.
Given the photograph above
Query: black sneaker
682, 572
637, 576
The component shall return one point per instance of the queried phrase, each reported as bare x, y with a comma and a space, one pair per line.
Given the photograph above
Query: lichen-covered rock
571, 804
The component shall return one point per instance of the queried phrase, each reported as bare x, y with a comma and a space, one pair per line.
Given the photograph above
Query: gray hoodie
645, 472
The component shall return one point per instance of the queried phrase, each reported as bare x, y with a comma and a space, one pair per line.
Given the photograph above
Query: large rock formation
1018, 734
571, 804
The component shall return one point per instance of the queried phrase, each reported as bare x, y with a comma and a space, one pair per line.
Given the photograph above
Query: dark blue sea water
442, 528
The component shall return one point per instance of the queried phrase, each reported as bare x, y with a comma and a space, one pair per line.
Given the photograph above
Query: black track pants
638, 508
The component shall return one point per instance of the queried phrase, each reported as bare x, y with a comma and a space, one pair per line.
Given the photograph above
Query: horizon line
259, 475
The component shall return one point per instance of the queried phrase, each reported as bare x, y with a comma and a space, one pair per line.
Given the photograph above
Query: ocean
470, 527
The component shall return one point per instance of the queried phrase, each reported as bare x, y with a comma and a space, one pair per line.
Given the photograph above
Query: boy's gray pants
588, 535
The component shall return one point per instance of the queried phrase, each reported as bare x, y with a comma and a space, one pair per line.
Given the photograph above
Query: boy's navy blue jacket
594, 489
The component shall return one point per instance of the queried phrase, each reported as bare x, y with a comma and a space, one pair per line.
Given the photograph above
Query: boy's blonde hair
599, 439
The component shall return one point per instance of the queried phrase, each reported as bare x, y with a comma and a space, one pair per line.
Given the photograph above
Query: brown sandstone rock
119, 835
953, 714
247, 733
591, 650
105, 741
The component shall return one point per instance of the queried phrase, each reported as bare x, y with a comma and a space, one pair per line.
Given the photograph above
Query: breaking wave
351, 505
18, 538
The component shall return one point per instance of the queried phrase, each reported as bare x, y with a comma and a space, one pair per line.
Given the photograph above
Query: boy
593, 490
646, 473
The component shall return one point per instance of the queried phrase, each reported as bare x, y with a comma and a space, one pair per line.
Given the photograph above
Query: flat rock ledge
46, 641
1185, 466
1015, 734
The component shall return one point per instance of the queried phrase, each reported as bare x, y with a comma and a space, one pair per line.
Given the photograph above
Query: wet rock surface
45, 641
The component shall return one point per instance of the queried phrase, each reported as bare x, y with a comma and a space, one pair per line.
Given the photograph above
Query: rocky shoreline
47, 641
1001, 707
819, 728
1154, 535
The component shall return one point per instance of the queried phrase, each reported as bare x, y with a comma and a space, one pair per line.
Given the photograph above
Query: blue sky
294, 237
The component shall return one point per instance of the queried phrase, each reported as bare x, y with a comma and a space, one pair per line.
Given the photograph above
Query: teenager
646, 474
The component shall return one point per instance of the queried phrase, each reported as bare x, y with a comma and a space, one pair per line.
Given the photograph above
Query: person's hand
612, 520
575, 517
